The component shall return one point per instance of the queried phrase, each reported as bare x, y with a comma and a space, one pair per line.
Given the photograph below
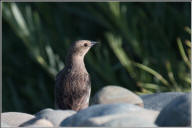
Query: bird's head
81, 47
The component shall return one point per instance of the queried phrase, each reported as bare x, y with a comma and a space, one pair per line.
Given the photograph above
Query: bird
73, 83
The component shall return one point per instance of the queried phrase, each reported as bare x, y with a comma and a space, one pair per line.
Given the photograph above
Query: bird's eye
85, 44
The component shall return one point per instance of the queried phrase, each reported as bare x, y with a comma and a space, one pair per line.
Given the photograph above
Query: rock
158, 101
15, 118
123, 120
119, 121
116, 94
37, 123
176, 113
121, 114
5, 125
54, 116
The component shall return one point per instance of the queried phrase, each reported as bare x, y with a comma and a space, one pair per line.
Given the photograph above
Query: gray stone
116, 94
129, 121
54, 116
105, 114
15, 118
37, 123
158, 101
176, 113
135, 119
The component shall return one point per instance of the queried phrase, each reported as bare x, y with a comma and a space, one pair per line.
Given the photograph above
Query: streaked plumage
73, 84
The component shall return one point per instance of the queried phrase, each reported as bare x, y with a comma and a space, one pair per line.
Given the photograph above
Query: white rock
15, 118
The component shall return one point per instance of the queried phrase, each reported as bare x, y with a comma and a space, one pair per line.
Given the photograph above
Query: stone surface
158, 101
116, 94
5, 125
121, 114
176, 113
37, 123
15, 118
123, 120
54, 116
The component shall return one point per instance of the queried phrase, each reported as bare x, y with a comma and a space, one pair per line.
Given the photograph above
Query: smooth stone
102, 114
116, 94
5, 125
158, 101
15, 118
37, 123
124, 120
176, 113
54, 116
130, 122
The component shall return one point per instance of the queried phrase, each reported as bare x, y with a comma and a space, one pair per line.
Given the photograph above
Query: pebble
176, 113
37, 123
116, 94
15, 118
113, 106
104, 114
54, 116
158, 101
5, 125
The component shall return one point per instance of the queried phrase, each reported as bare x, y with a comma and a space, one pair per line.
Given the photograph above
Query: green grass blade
182, 52
153, 72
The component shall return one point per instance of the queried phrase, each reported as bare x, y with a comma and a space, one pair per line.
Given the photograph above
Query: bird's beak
93, 43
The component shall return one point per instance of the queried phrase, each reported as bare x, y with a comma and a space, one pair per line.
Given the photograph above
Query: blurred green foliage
145, 47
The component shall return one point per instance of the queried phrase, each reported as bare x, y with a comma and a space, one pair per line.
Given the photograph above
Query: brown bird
73, 84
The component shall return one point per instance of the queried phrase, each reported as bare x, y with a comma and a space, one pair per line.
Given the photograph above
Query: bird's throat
76, 62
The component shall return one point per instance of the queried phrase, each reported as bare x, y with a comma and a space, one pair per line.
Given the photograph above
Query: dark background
145, 47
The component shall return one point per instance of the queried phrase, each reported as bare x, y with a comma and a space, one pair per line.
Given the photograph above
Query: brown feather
73, 84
